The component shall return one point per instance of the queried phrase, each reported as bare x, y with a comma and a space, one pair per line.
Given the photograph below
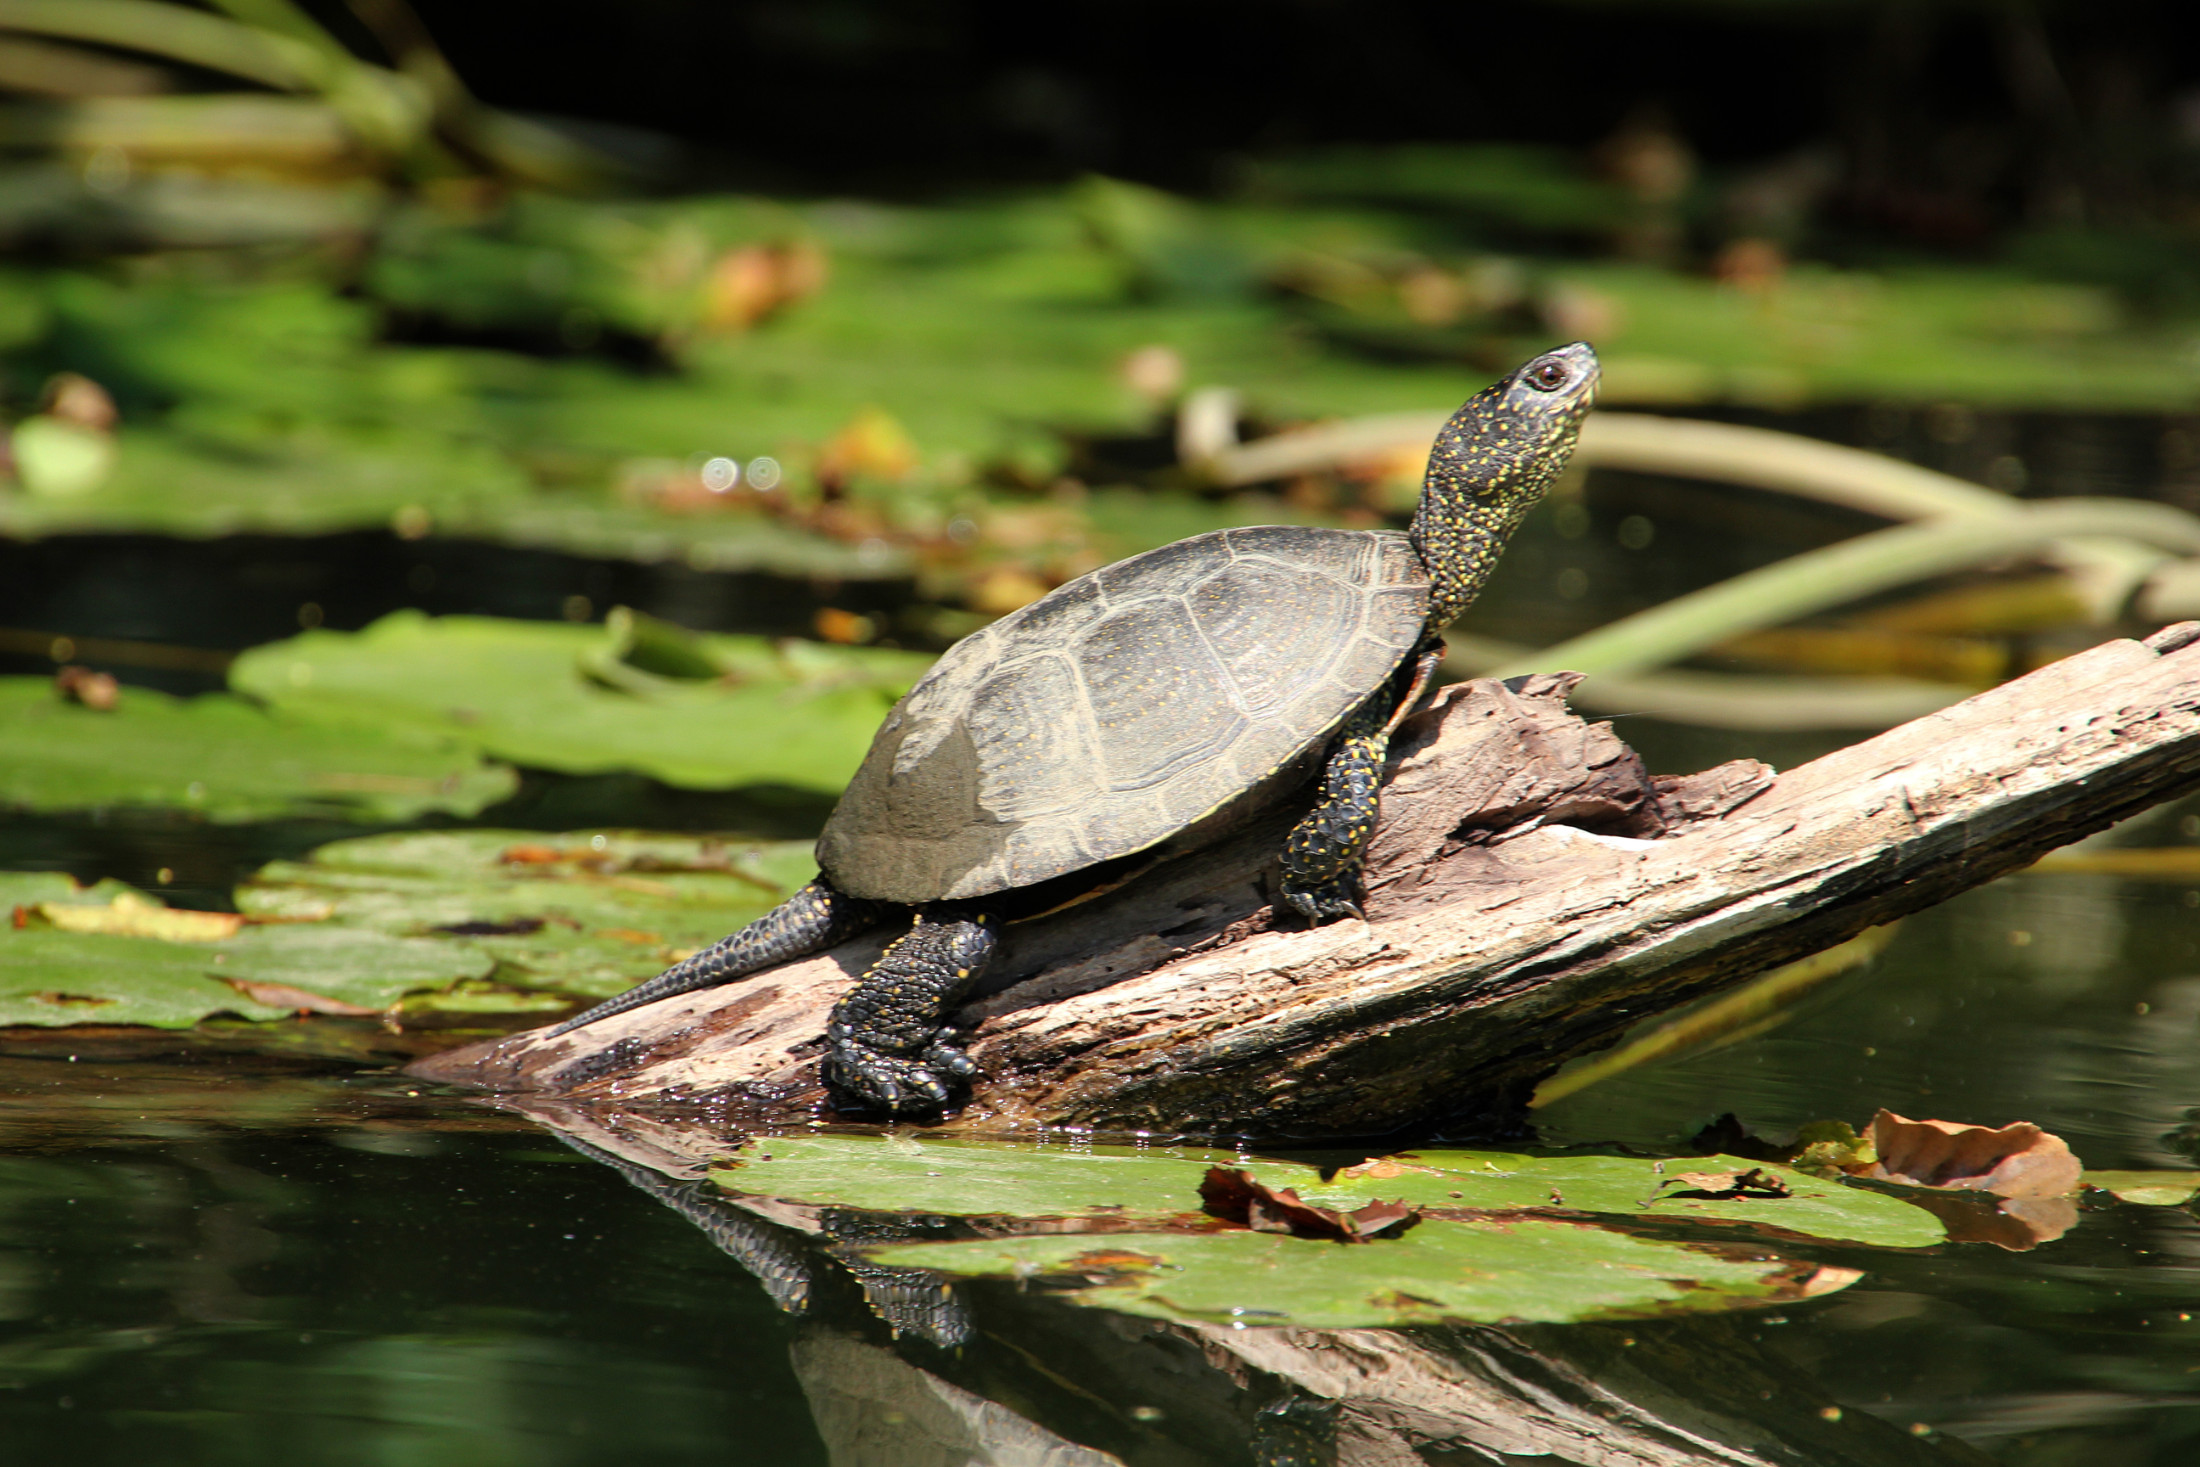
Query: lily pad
1020, 1179
221, 758
580, 915
2147, 1189
49, 975
799, 714
1512, 1270
434, 929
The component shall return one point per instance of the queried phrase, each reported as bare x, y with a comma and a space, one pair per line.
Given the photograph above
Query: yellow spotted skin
886, 1040
888, 1044
1498, 455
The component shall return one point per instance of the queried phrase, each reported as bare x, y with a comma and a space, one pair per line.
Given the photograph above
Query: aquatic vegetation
462, 929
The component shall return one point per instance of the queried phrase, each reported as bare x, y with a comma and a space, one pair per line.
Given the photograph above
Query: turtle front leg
888, 1043
1321, 856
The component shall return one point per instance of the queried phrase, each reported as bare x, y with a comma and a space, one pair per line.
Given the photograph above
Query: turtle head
1491, 463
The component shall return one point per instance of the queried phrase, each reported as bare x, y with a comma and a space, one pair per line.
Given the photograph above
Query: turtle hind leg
813, 919
888, 1043
1321, 855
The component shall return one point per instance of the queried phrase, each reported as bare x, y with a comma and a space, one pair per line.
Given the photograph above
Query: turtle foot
1326, 901
893, 1083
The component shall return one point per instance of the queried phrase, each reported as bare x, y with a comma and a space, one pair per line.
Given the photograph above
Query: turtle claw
1326, 901
890, 1083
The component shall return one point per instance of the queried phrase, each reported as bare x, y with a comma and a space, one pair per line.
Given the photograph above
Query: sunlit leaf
556, 915
801, 714
221, 758
1020, 1179
2148, 1189
1492, 1270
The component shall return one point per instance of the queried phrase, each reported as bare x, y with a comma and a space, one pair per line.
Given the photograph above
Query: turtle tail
813, 919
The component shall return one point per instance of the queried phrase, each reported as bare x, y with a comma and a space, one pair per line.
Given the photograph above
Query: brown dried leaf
1234, 1196
2016, 1160
1383, 1168
283, 996
97, 691
1384, 1219
1728, 1186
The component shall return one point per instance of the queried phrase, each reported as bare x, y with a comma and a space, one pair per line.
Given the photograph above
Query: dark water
232, 1261
209, 1263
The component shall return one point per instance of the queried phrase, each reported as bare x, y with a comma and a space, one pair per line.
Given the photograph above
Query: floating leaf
1512, 1270
1727, 1186
2016, 1160
221, 758
793, 714
130, 914
1232, 1194
1015, 1179
437, 929
557, 918
119, 975
2147, 1189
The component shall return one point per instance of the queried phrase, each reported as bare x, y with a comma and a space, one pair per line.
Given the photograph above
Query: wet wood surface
1532, 895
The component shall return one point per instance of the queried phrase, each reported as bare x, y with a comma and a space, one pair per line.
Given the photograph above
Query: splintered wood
1532, 893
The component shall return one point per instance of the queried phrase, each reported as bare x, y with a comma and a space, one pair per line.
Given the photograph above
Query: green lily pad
561, 914
1511, 1270
49, 976
798, 714
2148, 1189
434, 928
1022, 1179
221, 758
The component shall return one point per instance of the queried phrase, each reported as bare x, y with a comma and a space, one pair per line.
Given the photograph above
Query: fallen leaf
1727, 1186
283, 996
1234, 1196
2148, 1189
97, 691
131, 915
2016, 1160
1829, 1278
1382, 1169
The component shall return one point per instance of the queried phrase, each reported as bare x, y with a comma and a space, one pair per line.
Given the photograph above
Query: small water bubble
1636, 532
599, 843
1572, 583
763, 473
721, 475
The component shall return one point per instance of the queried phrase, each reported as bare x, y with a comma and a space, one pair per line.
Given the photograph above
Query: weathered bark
1532, 894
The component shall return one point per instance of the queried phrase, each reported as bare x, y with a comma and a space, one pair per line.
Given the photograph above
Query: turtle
1144, 708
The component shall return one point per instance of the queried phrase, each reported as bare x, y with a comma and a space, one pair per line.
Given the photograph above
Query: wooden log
1532, 894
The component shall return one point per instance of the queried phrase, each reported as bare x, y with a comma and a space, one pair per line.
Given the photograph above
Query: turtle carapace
1156, 700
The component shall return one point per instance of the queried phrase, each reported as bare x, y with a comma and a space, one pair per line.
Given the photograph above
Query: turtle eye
1548, 376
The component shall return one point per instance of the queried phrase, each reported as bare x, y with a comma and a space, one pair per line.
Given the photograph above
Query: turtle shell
1123, 707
